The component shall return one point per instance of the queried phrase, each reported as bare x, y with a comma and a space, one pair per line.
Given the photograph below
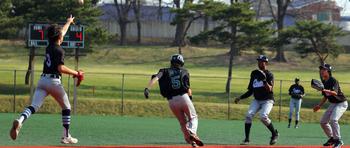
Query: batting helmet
327, 67
262, 58
177, 59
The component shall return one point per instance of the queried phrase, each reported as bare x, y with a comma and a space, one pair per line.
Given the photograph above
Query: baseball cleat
245, 142
193, 144
16, 127
338, 143
69, 140
296, 126
329, 142
288, 125
196, 139
274, 138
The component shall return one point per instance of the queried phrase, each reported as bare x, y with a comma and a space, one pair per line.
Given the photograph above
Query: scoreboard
37, 36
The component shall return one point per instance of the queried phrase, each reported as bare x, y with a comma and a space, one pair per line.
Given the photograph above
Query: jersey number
48, 60
175, 82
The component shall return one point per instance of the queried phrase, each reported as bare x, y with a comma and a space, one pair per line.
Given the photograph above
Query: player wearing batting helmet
261, 86
50, 83
296, 91
337, 107
174, 84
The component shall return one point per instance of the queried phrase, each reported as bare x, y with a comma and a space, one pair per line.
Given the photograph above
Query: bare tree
180, 25
137, 11
123, 8
282, 6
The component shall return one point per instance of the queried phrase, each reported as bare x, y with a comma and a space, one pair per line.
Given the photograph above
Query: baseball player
337, 107
296, 91
174, 83
50, 83
261, 86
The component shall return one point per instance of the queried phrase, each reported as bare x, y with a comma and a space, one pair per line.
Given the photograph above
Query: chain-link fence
122, 94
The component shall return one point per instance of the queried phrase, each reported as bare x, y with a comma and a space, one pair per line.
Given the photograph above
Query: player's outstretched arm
153, 81
66, 26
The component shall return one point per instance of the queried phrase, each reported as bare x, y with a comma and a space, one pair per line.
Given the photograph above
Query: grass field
44, 129
208, 67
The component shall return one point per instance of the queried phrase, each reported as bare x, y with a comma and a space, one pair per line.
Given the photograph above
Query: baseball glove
80, 77
316, 84
260, 75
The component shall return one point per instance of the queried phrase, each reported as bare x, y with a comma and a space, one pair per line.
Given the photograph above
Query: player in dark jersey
174, 85
337, 107
296, 91
261, 86
50, 83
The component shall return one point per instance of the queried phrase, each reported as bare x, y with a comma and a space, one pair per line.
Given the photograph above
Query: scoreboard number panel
37, 36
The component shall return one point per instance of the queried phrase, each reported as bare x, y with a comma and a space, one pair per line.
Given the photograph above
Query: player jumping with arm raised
261, 86
174, 85
337, 107
50, 83
296, 91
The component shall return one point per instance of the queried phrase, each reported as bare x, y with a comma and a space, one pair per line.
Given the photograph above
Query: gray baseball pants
185, 113
329, 120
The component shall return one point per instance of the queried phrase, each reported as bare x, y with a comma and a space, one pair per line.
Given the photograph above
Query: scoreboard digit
37, 33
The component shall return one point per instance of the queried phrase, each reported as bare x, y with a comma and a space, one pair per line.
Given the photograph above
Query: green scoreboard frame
37, 36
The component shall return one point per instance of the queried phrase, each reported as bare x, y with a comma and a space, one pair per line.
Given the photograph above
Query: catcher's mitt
80, 77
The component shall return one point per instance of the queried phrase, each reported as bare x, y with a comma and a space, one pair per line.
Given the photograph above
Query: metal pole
228, 104
68, 86
280, 102
75, 81
122, 106
32, 54
14, 90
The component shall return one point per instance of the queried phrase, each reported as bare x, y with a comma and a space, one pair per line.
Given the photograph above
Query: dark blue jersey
257, 88
54, 57
174, 81
333, 85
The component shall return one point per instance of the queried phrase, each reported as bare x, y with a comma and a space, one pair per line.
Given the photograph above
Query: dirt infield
169, 146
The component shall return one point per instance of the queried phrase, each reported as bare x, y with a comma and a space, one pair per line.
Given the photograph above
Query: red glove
80, 77
316, 108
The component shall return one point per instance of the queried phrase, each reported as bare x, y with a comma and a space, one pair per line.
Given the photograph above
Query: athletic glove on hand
146, 93
316, 108
80, 77
237, 100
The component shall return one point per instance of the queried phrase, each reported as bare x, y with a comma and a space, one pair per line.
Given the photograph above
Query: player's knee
334, 122
248, 119
265, 120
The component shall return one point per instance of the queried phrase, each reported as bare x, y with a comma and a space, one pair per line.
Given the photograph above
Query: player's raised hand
70, 19
316, 108
146, 93
237, 100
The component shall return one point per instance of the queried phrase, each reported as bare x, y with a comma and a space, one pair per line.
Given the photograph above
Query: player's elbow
61, 68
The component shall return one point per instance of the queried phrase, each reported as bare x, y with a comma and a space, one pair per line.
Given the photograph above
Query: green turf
43, 129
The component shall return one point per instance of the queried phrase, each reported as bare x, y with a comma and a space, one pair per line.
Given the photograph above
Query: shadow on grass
8, 89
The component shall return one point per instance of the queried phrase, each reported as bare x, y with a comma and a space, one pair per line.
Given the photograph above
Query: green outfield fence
122, 94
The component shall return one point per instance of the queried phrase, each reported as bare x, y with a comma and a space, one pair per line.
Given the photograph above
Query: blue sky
342, 3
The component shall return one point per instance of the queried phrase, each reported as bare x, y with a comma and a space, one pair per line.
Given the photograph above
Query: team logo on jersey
257, 83
296, 91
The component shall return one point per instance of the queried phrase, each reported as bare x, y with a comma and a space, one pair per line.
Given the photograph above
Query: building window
324, 16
